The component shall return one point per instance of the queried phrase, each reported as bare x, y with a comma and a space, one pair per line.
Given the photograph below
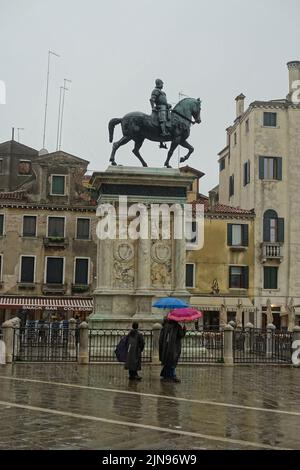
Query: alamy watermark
296, 93
152, 221
2, 92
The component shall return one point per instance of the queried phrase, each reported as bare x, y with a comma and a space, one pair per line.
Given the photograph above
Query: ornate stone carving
143, 306
161, 252
215, 287
123, 275
124, 251
161, 274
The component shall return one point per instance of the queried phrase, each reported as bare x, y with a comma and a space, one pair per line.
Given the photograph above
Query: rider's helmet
159, 82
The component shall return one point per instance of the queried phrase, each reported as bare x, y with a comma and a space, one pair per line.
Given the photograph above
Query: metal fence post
270, 339
155, 343
8, 338
83, 354
228, 345
248, 337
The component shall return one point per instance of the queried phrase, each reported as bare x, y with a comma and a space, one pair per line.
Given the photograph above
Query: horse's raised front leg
138, 144
115, 147
173, 147
186, 145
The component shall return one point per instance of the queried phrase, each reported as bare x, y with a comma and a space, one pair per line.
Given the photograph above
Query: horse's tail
111, 125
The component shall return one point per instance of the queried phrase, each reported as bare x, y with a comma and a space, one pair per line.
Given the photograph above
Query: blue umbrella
169, 302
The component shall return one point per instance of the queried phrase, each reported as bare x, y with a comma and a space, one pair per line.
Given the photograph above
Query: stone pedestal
133, 272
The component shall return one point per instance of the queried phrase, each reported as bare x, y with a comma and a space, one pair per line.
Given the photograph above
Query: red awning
49, 303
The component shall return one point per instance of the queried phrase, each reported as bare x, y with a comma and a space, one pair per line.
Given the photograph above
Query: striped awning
48, 303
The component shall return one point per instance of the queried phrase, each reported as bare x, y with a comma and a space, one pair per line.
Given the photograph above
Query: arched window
273, 227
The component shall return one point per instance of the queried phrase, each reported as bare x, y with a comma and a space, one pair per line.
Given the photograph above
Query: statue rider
160, 104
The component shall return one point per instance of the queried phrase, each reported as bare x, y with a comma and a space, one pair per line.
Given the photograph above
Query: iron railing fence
103, 342
47, 342
255, 345
202, 346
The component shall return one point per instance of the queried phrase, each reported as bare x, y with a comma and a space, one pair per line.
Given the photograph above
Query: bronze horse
138, 126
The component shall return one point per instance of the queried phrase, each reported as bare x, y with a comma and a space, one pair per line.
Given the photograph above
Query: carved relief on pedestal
103, 304
143, 306
161, 264
123, 268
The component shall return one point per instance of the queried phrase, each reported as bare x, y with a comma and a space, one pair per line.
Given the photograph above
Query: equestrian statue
163, 125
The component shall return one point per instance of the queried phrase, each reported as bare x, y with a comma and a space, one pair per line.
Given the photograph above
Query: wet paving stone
214, 407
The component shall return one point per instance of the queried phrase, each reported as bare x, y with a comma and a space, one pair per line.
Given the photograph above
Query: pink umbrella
184, 314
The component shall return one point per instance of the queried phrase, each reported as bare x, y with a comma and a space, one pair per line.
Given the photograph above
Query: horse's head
196, 110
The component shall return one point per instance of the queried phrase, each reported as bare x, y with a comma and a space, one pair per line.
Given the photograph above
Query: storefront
45, 308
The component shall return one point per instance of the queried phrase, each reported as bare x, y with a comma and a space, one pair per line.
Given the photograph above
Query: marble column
104, 264
143, 265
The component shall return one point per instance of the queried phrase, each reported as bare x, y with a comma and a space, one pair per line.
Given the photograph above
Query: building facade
260, 168
47, 234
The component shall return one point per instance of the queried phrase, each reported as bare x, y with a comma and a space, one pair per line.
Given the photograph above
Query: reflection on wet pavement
245, 407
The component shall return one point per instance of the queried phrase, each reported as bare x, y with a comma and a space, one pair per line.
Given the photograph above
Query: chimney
240, 103
294, 76
213, 199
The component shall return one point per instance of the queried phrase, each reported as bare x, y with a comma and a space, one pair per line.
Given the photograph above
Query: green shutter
274, 275
261, 168
279, 168
267, 229
245, 174
245, 235
248, 175
246, 277
58, 185
229, 234
280, 230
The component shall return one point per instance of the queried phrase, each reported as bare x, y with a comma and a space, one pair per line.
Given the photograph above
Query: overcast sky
114, 50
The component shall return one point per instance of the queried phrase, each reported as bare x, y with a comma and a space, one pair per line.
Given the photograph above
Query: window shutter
274, 272
245, 235
246, 277
230, 268
280, 230
261, 168
248, 173
245, 174
229, 234
1, 224
279, 168
267, 229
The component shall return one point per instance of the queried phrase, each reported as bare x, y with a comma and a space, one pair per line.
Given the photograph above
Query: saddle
155, 120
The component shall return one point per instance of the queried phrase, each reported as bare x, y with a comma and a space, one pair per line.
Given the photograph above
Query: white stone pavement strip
142, 426
152, 395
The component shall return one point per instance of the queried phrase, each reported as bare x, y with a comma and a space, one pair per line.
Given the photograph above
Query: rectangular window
1, 265
238, 277
235, 138
29, 226
24, 167
83, 229
1, 166
270, 168
237, 235
56, 227
55, 271
189, 275
270, 277
270, 119
246, 173
191, 233
1, 225
222, 164
247, 126
27, 269
231, 185
81, 271
58, 185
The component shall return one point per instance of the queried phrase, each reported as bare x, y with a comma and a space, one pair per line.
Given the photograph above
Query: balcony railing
271, 251
58, 242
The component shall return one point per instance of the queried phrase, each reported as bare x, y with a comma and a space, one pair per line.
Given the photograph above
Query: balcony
271, 251
26, 285
54, 288
56, 242
80, 288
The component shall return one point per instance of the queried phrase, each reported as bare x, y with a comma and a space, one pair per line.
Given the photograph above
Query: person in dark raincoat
134, 352
170, 348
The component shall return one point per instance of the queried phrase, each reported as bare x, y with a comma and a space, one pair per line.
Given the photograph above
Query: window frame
3, 231
64, 269
90, 229
194, 275
276, 268
1, 166
56, 217
88, 270
244, 269
34, 269
29, 236
1, 267
270, 113
65, 185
